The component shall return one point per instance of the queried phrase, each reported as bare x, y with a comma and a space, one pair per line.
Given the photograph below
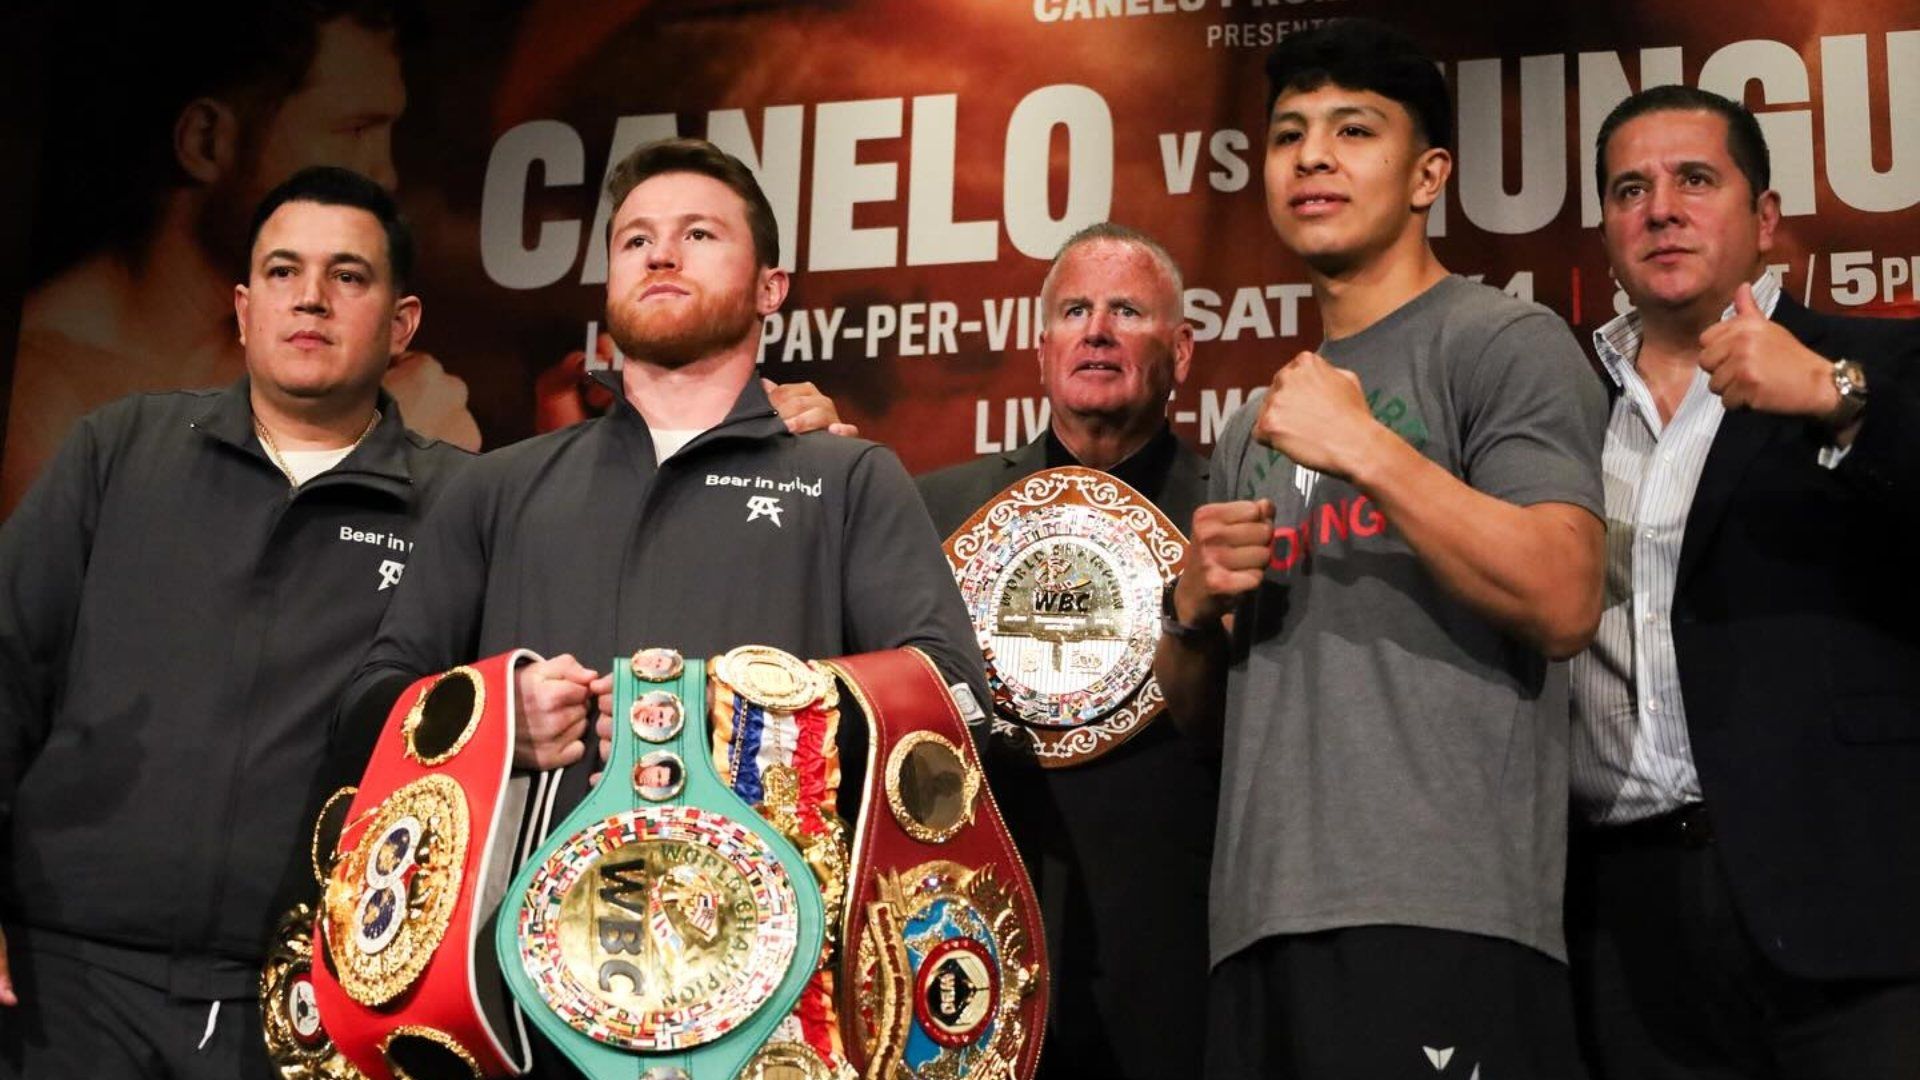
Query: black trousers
1669, 985
79, 1020
1385, 1002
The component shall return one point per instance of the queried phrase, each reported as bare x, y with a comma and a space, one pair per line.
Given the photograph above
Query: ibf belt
1062, 574
401, 976
664, 929
943, 965
776, 725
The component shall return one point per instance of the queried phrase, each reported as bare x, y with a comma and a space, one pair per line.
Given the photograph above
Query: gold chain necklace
273, 452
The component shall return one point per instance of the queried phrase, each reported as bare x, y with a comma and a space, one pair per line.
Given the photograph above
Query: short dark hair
1745, 142
330, 185
1364, 54
702, 157
106, 192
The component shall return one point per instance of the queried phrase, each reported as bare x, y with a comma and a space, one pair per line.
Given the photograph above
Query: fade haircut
1114, 232
1746, 145
329, 185
705, 159
1363, 54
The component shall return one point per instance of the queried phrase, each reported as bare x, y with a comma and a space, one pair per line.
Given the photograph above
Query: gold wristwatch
1850, 379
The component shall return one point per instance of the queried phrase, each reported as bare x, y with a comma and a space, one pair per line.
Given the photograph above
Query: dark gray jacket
576, 542
176, 625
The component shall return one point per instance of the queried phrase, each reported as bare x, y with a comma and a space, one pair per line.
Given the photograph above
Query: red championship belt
404, 974
943, 966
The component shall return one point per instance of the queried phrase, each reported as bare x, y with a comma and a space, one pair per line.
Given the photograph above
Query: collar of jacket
1144, 470
752, 415
380, 461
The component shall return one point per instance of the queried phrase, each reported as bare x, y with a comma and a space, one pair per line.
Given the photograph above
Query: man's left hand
1754, 363
805, 408
1317, 415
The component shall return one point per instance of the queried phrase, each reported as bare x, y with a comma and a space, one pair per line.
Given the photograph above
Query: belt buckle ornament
931, 786
659, 929
391, 895
944, 966
297, 1044
1061, 574
770, 678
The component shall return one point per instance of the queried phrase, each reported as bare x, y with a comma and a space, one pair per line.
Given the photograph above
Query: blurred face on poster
683, 279
1681, 225
343, 113
1116, 341
320, 315
1347, 176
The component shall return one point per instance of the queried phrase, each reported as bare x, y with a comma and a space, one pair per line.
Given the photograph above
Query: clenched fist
1317, 415
552, 716
1232, 542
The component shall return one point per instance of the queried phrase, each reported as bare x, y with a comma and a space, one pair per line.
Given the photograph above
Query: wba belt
1062, 574
664, 930
943, 964
400, 975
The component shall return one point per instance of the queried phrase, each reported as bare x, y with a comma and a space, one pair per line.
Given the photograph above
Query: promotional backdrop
925, 159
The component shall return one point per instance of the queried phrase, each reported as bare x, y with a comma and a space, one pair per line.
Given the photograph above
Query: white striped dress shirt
1632, 758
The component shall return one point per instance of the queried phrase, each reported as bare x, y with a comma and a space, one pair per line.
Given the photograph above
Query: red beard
674, 333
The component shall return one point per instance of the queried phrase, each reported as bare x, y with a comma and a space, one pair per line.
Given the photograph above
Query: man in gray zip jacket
688, 516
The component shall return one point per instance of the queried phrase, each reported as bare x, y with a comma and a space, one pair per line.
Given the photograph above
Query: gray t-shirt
1393, 757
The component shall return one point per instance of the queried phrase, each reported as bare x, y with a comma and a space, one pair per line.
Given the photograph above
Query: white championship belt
1062, 574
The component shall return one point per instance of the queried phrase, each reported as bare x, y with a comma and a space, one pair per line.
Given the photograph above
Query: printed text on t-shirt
1346, 518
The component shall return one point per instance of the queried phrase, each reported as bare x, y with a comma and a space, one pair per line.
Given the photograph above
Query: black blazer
1799, 653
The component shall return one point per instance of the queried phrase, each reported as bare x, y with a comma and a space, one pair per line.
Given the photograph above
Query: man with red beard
689, 516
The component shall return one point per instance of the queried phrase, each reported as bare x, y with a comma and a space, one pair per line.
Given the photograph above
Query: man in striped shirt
1744, 879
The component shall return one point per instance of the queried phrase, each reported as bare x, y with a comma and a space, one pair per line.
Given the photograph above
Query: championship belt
400, 974
1062, 574
297, 1044
776, 725
664, 930
943, 963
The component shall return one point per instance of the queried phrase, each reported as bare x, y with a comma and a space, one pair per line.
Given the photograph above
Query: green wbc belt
664, 929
